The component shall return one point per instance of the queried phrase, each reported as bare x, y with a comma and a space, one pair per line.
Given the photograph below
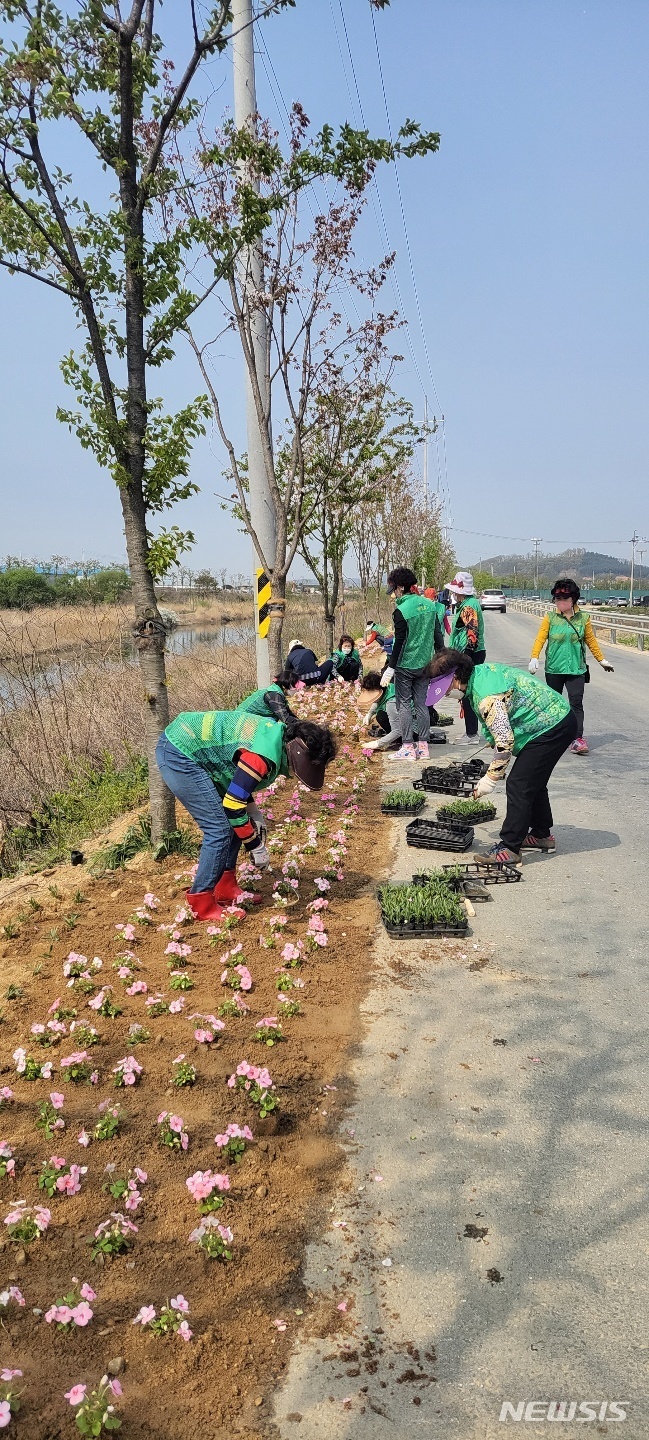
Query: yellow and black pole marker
262, 602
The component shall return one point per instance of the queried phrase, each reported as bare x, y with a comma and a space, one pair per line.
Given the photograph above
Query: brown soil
221, 1382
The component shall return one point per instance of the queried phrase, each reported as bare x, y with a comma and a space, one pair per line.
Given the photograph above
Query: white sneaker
469, 740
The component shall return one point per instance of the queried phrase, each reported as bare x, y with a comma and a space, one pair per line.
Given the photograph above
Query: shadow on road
574, 840
599, 742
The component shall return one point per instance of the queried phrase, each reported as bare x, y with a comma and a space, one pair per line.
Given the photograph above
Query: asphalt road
539, 1142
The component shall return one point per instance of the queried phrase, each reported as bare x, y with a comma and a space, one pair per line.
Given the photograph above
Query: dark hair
347, 637
444, 661
284, 679
569, 587
371, 681
402, 578
318, 739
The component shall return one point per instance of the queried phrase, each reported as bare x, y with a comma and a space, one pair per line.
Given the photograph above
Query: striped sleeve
251, 770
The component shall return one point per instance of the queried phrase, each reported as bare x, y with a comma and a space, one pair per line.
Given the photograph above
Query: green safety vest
458, 632
255, 704
566, 644
419, 614
388, 694
533, 708
213, 737
339, 657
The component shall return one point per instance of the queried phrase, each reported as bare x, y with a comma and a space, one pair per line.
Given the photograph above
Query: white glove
387, 678
257, 818
607, 666
484, 786
260, 857
533, 666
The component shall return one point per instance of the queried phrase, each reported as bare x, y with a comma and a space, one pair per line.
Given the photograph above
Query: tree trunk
149, 632
278, 588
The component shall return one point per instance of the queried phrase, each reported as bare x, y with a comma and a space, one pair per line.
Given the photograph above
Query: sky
521, 267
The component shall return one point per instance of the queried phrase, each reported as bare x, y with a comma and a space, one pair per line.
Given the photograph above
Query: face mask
347, 649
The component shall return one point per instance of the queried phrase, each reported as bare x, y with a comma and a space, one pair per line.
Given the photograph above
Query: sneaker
497, 854
423, 752
469, 740
579, 747
546, 843
405, 752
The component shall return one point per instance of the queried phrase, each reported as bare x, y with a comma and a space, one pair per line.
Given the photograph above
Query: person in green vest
214, 762
380, 705
270, 702
347, 661
521, 718
467, 633
417, 633
566, 632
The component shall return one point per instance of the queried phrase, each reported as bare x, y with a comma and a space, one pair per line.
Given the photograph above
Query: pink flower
144, 1316
6, 1093
184, 1331
82, 1314
76, 1394
133, 1200
83, 1138
115, 1387
46, 1070
16, 1295
151, 901
204, 1037
320, 939
176, 1006
140, 1175
139, 987
290, 952
8, 1375
5, 1413
87, 1292
128, 931
176, 1124
180, 1303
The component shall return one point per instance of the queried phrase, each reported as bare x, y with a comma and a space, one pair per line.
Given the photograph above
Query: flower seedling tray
478, 812
449, 781
444, 719
414, 930
431, 835
493, 874
410, 805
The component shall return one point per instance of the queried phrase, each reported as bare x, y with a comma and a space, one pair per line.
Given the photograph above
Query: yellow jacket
544, 630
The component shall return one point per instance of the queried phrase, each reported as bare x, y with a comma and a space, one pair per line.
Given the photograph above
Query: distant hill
580, 564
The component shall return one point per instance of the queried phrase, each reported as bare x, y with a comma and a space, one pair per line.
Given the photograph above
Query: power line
576, 544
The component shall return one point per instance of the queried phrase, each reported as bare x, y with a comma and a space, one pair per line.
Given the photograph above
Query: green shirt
420, 615
462, 631
255, 704
566, 644
214, 737
388, 694
533, 708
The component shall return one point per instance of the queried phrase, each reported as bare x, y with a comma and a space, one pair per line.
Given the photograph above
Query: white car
493, 600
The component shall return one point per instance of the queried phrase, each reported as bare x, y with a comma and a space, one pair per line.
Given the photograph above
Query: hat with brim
439, 688
310, 772
462, 583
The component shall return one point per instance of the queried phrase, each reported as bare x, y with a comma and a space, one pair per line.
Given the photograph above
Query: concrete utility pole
536, 544
262, 513
634, 541
425, 467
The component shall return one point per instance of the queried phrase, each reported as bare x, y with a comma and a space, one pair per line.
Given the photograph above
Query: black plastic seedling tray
493, 874
444, 782
401, 809
412, 930
474, 889
430, 835
488, 813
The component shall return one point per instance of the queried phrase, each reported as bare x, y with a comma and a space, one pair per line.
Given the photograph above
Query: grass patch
92, 799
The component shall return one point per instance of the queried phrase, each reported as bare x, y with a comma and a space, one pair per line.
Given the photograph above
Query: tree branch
33, 275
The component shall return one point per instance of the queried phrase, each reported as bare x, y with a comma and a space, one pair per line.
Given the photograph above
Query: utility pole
425, 465
262, 513
634, 541
536, 544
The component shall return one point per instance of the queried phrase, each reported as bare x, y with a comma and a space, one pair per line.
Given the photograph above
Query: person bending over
524, 719
417, 633
214, 762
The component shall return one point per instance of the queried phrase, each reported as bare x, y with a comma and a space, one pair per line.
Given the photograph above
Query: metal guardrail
612, 621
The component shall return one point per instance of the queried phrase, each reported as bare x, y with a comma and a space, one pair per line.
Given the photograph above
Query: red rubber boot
228, 892
203, 905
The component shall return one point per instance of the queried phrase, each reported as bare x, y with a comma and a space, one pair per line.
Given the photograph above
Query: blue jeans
192, 786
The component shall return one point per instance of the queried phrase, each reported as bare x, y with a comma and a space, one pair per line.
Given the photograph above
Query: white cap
294, 643
462, 583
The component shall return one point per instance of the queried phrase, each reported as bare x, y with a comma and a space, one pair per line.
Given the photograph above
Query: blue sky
528, 235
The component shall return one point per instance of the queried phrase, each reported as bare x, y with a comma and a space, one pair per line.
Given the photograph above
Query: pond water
179, 642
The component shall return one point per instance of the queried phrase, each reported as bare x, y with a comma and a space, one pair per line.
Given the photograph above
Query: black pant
528, 803
575, 690
470, 718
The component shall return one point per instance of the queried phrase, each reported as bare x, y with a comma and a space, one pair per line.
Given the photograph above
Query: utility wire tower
262, 513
